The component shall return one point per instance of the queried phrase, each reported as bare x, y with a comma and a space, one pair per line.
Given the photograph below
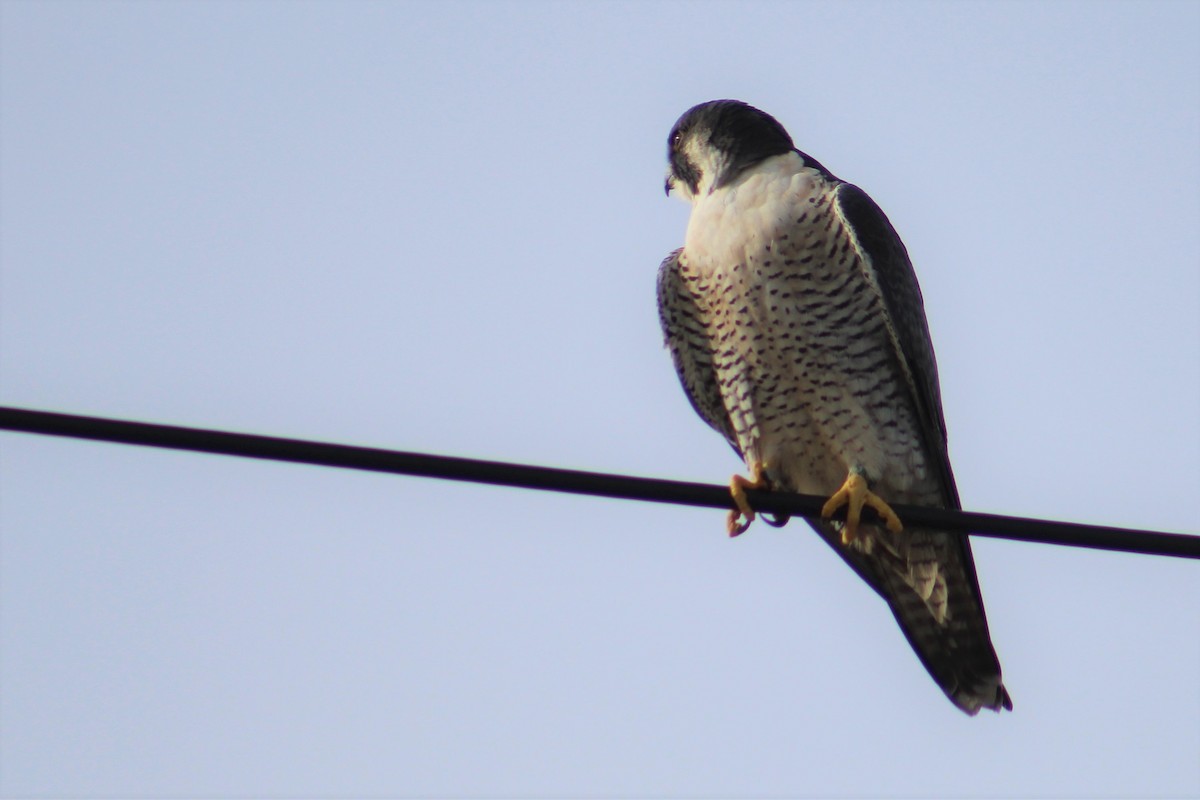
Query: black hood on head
743, 133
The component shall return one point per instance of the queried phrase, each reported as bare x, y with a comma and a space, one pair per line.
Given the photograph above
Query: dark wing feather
878, 240
685, 332
958, 654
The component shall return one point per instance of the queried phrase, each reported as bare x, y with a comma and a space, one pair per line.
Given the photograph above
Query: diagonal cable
598, 484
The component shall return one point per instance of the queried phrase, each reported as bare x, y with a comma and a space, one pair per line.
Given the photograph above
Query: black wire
574, 481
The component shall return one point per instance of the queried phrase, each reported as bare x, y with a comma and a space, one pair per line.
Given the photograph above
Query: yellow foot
855, 494
737, 487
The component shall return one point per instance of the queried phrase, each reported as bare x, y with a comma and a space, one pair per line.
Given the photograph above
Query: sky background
435, 227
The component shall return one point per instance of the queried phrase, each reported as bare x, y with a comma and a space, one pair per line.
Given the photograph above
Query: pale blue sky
436, 228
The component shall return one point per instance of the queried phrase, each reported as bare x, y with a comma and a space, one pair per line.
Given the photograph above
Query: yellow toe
854, 494
737, 488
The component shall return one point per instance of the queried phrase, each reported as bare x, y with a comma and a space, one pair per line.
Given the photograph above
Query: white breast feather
744, 215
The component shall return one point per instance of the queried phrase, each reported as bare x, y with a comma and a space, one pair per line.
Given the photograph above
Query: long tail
929, 583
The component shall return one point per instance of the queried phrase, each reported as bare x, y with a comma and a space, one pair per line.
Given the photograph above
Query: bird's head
716, 141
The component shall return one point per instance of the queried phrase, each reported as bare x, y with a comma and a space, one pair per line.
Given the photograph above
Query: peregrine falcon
794, 319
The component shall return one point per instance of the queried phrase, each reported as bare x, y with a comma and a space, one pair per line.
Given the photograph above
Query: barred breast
806, 368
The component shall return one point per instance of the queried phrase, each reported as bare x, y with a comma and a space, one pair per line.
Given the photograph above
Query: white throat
746, 213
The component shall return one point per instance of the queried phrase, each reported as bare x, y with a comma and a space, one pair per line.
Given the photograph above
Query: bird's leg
737, 487
854, 494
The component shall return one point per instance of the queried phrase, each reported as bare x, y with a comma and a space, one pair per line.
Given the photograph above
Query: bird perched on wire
794, 319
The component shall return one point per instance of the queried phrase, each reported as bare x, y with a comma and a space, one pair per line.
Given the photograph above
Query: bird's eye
676, 140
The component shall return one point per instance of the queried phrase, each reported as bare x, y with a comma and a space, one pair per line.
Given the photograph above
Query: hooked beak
669, 185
